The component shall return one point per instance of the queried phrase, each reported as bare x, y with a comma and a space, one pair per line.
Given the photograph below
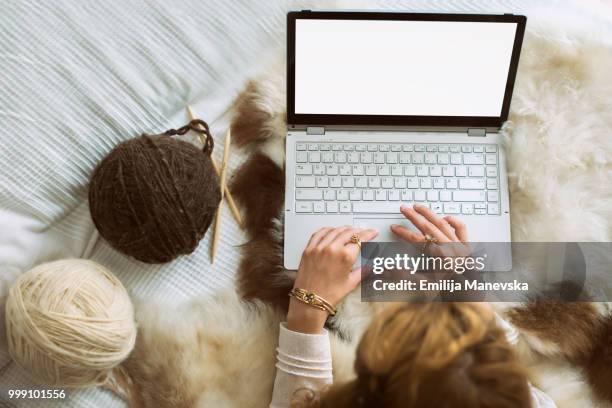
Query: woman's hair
430, 355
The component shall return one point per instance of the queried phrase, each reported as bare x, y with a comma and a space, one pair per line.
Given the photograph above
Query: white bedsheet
78, 77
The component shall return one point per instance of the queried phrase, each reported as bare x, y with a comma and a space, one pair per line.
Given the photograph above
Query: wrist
304, 318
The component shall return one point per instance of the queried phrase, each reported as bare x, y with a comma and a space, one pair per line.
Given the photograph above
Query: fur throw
221, 351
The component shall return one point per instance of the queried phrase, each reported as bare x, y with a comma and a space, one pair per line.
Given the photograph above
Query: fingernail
404, 207
394, 226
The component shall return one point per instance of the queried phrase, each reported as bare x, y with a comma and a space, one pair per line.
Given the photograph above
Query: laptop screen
410, 69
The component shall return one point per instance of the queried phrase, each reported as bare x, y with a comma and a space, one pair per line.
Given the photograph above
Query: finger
436, 220
407, 235
317, 236
423, 224
363, 234
345, 237
332, 235
459, 226
354, 249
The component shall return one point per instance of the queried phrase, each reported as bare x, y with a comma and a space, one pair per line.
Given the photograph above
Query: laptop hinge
315, 130
477, 132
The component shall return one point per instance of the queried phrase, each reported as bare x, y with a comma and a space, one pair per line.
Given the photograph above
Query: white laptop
387, 108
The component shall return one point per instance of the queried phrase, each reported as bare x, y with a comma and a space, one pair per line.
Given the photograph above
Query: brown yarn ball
154, 197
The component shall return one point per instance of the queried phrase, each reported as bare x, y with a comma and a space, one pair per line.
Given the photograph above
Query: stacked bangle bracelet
312, 299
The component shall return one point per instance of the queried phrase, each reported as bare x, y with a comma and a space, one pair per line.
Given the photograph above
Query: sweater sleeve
303, 361
539, 399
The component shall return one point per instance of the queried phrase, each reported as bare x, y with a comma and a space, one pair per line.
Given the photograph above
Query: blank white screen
424, 68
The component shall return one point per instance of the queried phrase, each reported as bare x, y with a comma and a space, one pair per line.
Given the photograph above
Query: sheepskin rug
220, 351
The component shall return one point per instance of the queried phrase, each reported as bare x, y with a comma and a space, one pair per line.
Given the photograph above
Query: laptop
387, 108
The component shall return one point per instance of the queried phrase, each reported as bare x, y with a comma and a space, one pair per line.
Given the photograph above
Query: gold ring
356, 240
429, 239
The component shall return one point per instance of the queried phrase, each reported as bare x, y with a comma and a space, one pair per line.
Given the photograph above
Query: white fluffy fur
559, 149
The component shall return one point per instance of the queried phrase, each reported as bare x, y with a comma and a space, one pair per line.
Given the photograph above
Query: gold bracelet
312, 299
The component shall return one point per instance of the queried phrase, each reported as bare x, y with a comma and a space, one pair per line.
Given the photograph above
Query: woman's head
433, 355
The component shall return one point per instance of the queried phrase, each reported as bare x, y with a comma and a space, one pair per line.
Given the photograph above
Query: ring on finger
355, 240
429, 239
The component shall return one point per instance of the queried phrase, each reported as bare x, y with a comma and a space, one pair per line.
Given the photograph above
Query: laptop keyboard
376, 178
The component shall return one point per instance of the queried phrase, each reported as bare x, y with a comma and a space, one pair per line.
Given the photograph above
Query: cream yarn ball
69, 323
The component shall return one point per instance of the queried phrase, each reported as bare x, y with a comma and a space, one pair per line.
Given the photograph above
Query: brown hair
431, 355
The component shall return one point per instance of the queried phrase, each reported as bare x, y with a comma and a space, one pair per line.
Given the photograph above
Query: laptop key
332, 207
472, 184
300, 146
437, 207
355, 195
452, 208
492, 196
469, 196
319, 207
460, 171
303, 169
303, 207
476, 171
301, 157
438, 183
308, 195
492, 184
473, 158
345, 207
304, 181
376, 207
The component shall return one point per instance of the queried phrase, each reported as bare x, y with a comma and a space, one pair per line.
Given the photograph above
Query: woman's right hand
326, 269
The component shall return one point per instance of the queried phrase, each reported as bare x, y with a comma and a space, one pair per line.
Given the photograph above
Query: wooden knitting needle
228, 196
215, 239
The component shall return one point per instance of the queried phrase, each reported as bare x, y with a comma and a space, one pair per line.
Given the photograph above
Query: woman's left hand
440, 230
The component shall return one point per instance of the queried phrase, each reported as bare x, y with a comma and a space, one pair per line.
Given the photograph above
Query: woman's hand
326, 270
443, 230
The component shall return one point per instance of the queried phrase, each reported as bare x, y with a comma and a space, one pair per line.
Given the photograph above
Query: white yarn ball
69, 323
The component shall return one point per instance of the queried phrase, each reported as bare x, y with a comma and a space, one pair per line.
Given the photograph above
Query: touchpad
383, 225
